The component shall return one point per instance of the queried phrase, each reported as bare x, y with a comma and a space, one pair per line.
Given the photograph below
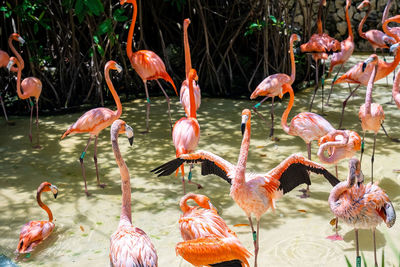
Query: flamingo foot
199, 186
37, 147
87, 194
30, 137
145, 132
306, 193
335, 237
101, 185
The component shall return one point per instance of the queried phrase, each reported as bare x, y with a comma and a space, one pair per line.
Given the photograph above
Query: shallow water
288, 237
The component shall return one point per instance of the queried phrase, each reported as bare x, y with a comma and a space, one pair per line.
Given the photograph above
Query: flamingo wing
214, 251
294, 171
210, 164
33, 233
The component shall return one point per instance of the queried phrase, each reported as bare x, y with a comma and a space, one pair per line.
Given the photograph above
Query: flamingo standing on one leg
346, 50
95, 120
34, 232
184, 93
254, 193
31, 87
5, 58
272, 85
129, 245
207, 238
148, 65
361, 206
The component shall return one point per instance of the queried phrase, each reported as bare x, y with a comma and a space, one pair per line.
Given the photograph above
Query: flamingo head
17, 37
246, 115
186, 22
295, 37
54, 190
46, 187
121, 2
122, 128
372, 59
204, 202
363, 4
355, 172
12, 62
193, 75
393, 48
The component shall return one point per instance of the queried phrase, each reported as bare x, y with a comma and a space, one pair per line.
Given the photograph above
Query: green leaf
95, 6
104, 27
274, 20
100, 50
95, 39
348, 262
3, 8
79, 10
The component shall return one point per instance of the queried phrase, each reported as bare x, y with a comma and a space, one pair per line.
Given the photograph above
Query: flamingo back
346, 50
373, 121
130, 246
377, 39
4, 59
271, 86
309, 126
185, 96
32, 87
320, 43
32, 234
185, 135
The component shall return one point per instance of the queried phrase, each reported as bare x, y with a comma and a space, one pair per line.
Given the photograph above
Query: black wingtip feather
168, 168
233, 263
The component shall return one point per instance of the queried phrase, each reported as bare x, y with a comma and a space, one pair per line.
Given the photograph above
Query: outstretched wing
294, 171
210, 164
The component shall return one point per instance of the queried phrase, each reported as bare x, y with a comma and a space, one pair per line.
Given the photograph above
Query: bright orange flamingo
346, 50
95, 120
34, 232
208, 240
129, 245
319, 45
148, 65
254, 193
393, 30
186, 132
272, 85
184, 93
361, 206
5, 58
31, 87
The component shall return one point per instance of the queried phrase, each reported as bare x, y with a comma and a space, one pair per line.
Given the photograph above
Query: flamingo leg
372, 160
257, 106
30, 124
345, 103
384, 59
362, 146
255, 238
83, 166
199, 186
168, 101
4, 108
336, 169
334, 79
306, 192
357, 248
322, 87
95, 164
373, 235
257, 247
37, 123
271, 133
388, 136
316, 84
147, 107
183, 179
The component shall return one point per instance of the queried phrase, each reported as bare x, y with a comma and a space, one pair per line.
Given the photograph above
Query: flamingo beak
212, 206
129, 133
21, 40
244, 120
54, 190
119, 68
394, 47
365, 63
122, 2
9, 65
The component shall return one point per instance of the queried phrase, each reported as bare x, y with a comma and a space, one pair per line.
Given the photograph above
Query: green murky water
84, 225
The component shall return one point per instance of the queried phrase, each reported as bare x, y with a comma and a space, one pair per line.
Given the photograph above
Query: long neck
368, 94
319, 21
188, 60
293, 74
15, 52
19, 92
396, 89
337, 154
386, 11
244, 150
287, 110
340, 188
42, 205
192, 100
349, 28
360, 26
131, 29
113, 92
387, 31
183, 203
126, 213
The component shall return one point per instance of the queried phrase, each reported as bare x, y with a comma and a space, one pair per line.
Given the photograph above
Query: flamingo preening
254, 193
95, 120
129, 245
148, 65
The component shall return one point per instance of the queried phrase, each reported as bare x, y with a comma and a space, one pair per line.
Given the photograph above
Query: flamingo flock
207, 237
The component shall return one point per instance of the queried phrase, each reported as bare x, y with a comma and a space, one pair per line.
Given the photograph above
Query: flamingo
346, 50
31, 87
254, 193
129, 245
396, 89
184, 93
95, 120
319, 45
148, 65
361, 206
186, 131
207, 238
272, 85
393, 30
5, 58
34, 232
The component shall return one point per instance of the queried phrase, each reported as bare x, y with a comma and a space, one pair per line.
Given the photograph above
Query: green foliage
87, 7
178, 3
255, 26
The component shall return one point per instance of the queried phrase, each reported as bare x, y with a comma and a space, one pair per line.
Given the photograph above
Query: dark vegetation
234, 45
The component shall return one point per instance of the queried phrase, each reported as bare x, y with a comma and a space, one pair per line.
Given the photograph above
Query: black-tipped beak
55, 195
364, 66
130, 140
243, 128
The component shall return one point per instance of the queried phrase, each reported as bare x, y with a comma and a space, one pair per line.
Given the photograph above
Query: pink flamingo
254, 193
396, 89
186, 131
361, 206
5, 58
207, 238
95, 120
346, 50
394, 30
129, 245
31, 87
272, 85
34, 232
148, 65
184, 93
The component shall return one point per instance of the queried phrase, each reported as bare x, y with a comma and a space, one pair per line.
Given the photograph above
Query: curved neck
131, 29
126, 213
42, 205
293, 74
386, 11
342, 187
360, 26
349, 29
15, 52
386, 28
396, 89
19, 92
113, 92
287, 110
183, 203
368, 94
192, 100
337, 154
319, 21
188, 60
244, 150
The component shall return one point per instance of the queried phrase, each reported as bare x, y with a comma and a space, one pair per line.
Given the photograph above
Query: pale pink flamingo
95, 120
129, 245
396, 89
254, 193
31, 87
272, 85
34, 232
186, 132
207, 238
346, 50
361, 206
184, 93
148, 65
